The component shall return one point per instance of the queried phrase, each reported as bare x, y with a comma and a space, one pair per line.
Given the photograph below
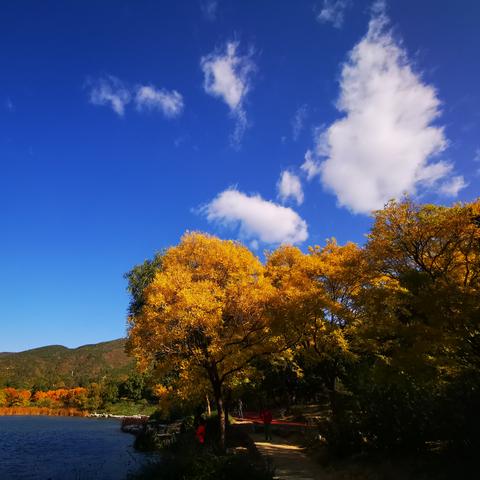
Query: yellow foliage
409, 297
205, 316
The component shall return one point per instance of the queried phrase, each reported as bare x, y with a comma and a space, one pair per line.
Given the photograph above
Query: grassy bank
128, 408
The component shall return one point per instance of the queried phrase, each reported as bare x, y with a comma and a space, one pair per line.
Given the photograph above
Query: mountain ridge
57, 366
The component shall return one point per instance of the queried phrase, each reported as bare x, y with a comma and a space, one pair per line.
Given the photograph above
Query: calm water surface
66, 448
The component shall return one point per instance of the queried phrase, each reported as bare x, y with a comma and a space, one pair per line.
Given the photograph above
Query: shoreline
119, 417
63, 412
41, 411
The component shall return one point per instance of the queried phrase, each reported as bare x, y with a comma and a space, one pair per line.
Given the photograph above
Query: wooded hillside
56, 366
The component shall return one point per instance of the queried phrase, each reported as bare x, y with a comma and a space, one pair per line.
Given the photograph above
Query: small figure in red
201, 431
266, 416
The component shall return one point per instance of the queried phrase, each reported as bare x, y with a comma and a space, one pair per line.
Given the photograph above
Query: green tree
139, 278
133, 387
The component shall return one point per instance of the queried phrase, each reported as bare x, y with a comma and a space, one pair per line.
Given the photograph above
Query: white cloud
333, 11
256, 218
227, 75
170, 103
310, 166
476, 157
452, 186
110, 91
298, 121
289, 186
384, 144
209, 9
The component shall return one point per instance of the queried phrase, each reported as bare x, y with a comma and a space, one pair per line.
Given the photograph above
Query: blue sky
123, 124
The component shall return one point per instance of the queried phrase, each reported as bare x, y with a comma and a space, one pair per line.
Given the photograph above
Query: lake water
66, 448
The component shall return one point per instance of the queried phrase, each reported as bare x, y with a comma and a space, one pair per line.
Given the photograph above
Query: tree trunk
209, 408
217, 392
226, 407
221, 421
332, 394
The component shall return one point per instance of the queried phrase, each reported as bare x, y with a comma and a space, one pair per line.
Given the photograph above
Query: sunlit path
290, 461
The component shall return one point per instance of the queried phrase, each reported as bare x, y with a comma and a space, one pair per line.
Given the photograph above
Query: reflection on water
65, 448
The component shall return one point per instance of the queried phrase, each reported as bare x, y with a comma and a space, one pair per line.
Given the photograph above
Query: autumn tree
396, 320
16, 397
432, 254
316, 295
205, 317
420, 339
341, 273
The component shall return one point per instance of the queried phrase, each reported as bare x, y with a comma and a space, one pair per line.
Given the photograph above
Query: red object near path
266, 416
200, 433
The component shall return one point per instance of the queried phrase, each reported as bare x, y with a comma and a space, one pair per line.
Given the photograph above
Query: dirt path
289, 460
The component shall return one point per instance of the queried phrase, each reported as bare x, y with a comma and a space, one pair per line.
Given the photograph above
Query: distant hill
56, 366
